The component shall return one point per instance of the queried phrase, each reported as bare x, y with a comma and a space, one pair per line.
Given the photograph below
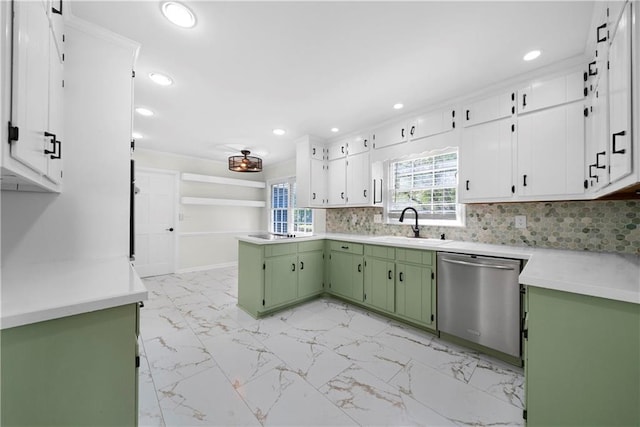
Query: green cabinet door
347, 275
414, 293
379, 291
280, 280
73, 371
582, 360
310, 273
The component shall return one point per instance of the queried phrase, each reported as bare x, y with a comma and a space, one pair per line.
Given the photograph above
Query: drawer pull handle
293, 267
359, 268
301, 265
613, 148
390, 276
344, 247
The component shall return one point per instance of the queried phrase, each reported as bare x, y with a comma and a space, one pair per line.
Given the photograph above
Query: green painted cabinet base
73, 371
582, 363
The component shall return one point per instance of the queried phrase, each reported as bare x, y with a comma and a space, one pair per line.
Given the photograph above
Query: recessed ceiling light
179, 14
161, 79
136, 135
335, 130
530, 56
279, 132
398, 106
144, 111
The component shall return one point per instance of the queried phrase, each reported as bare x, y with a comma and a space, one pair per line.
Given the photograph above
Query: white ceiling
249, 67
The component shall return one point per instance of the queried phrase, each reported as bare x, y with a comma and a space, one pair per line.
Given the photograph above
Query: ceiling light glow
161, 79
279, 132
335, 130
530, 56
178, 14
398, 106
144, 111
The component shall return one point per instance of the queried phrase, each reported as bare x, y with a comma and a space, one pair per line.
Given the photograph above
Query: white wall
207, 234
90, 218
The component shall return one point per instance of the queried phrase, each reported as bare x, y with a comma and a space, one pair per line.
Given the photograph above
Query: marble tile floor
205, 362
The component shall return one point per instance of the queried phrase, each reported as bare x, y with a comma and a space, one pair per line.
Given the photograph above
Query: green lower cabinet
379, 284
582, 360
415, 293
280, 280
310, 273
77, 370
346, 275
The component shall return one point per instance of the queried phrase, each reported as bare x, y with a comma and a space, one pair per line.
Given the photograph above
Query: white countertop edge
582, 289
21, 319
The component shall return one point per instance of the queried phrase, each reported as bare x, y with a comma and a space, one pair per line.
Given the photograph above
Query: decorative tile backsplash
603, 226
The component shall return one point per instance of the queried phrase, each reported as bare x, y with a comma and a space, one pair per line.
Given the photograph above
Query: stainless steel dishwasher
479, 300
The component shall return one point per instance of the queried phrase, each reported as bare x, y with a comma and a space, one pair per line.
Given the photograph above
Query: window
429, 184
284, 216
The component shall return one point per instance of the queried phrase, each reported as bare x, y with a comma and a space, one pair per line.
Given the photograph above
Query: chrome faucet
415, 228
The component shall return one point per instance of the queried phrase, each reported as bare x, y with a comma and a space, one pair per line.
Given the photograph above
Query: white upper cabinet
34, 157
485, 110
358, 180
486, 158
359, 144
620, 98
311, 172
551, 152
551, 92
337, 150
597, 136
433, 123
337, 182
390, 135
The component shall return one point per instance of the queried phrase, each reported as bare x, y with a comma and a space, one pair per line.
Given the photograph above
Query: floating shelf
222, 202
222, 180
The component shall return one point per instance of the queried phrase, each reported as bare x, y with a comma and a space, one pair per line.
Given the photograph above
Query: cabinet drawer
353, 248
380, 251
415, 256
316, 245
280, 249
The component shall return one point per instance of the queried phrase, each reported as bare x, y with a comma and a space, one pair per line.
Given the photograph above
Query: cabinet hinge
453, 125
62, 83
137, 361
264, 266
607, 65
433, 275
14, 133
525, 334
60, 174
365, 263
63, 57
513, 128
432, 318
133, 145
63, 38
513, 189
365, 297
263, 302
524, 414
133, 74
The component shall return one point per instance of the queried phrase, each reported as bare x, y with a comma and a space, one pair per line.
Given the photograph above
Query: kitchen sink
413, 240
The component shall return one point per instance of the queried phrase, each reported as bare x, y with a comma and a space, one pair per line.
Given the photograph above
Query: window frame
459, 221
291, 208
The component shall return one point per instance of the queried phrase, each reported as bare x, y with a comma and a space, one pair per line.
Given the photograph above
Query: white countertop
604, 275
50, 290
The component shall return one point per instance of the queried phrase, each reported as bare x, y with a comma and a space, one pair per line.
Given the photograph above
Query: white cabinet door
337, 182
486, 158
390, 135
318, 183
597, 136
317, 152
433, 123
551, 151
358, 180
620, 98
30, 86
337, 150
488, 109
548, 93
359, 144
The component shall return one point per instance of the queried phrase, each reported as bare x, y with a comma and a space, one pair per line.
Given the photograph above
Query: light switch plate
521, 221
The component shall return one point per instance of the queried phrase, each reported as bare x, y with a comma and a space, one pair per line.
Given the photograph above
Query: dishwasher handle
474, 264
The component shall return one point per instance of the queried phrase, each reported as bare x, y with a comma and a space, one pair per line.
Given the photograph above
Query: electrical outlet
377, 218
521, 221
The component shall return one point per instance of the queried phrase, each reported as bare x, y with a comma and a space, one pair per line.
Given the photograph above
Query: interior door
155, 223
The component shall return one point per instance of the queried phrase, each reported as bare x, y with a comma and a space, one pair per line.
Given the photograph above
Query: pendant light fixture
245, 163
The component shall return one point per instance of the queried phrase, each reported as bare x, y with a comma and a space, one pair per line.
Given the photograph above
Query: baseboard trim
207, 267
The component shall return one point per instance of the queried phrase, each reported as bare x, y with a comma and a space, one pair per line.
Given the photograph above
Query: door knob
169, 229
